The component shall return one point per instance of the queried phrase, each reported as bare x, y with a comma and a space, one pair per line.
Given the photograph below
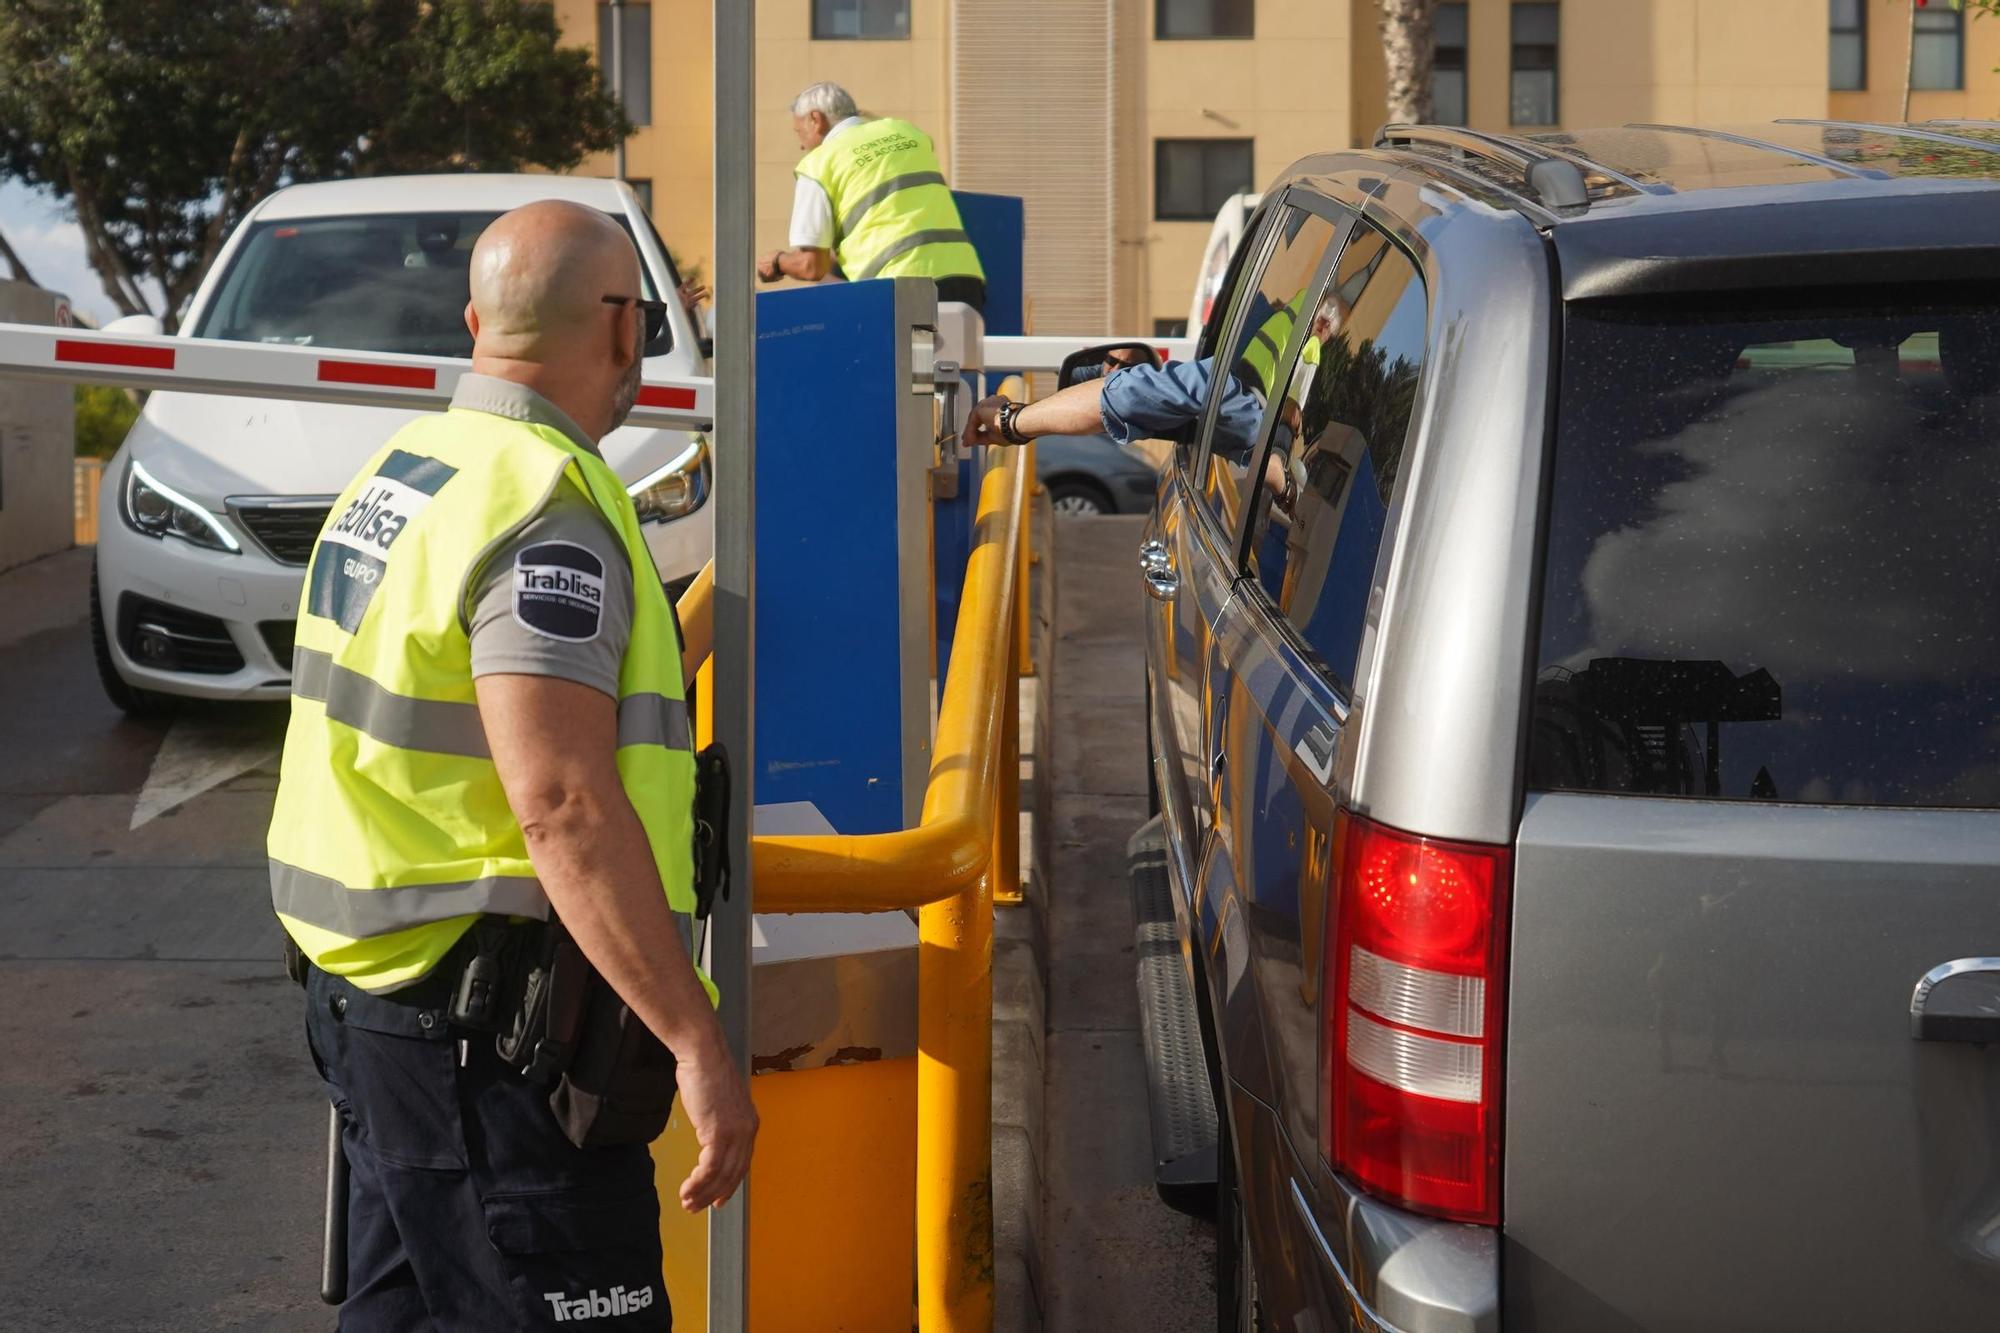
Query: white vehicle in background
209, 511
1230, 221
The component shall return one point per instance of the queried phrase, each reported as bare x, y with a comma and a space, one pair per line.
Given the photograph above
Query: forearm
1077, 410
591, 853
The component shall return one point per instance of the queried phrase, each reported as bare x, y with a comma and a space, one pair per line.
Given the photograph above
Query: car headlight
158, 510
677, 489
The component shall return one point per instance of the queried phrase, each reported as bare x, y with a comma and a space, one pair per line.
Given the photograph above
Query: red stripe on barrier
654, 396
389, 377
114, 354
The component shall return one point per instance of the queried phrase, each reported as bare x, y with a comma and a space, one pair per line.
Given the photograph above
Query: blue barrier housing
843, 680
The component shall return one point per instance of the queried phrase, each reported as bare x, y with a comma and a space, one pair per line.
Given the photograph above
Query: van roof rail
1549, 179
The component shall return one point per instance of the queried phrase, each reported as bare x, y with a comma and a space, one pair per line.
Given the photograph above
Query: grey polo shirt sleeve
555, 599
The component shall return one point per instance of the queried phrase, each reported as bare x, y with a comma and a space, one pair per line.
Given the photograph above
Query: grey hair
829, 99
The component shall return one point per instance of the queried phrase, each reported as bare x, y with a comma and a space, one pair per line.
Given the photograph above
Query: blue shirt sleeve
1147, 402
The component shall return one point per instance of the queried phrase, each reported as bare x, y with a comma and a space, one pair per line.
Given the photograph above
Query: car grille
278, 638
173, 638
284, 528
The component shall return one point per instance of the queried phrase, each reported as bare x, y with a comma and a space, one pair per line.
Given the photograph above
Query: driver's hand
983, 426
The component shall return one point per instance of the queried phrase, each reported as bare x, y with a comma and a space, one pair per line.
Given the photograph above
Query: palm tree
1409, 41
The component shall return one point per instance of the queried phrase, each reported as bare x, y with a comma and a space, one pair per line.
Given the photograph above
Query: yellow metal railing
87, 476
947, 868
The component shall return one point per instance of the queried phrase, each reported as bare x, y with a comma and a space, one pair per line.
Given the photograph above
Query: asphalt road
161, 1122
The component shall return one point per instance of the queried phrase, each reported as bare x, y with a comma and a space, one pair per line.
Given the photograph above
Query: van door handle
1958, 1001
1156, 566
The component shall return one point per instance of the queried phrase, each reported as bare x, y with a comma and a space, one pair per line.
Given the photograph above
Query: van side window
1323, 502
1262, 316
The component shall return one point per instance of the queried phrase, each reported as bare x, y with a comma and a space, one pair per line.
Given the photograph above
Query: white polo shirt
812, 211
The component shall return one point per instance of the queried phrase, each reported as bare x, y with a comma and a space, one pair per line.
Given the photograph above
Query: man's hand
692, 294
718, 1106
555, 744
983, 426
767, 267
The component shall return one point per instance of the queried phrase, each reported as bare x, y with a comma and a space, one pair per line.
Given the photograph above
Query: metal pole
618, 77
735, 586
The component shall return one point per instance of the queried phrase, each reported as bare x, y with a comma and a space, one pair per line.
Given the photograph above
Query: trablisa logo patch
559, 591
597, 1305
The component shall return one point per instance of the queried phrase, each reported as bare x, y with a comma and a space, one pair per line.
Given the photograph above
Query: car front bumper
253, 599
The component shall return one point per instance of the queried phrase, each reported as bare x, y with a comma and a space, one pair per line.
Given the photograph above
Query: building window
861, 20
635, 32
1847, 46
1203, 18
1193, 178
644, 189
1448, 66
1937, 50
1533, 93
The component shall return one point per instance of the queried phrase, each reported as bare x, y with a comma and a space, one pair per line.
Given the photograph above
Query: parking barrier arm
283, 370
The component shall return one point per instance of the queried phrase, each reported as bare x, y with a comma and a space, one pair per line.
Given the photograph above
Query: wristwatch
1009, 409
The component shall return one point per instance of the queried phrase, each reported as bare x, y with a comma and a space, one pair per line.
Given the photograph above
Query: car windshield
1770, 561
382, 282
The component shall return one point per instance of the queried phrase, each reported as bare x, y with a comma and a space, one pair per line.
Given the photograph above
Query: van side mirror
1096, 362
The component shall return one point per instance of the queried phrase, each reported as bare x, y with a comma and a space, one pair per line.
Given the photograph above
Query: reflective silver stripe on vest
916, 240
395, 719
359, 914
653, 719
844, 226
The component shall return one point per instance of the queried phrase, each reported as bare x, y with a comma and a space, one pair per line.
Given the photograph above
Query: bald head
539, 276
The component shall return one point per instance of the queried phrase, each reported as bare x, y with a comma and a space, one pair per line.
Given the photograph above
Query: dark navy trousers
467, 1207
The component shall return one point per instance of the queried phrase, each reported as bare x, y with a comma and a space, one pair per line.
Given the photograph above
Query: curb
1020, 986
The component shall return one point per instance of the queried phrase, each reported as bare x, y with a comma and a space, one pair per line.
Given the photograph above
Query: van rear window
1773, 563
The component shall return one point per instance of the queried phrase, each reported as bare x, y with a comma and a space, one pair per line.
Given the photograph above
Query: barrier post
735, 504
1023, 604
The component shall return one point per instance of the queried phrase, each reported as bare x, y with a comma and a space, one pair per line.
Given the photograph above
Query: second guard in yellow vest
871, 199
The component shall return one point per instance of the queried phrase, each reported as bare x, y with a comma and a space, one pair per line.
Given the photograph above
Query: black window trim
1513, 51
1260, 601
1860, 31
1160, 33
1464, 67
1958, 32
1161, 141
815, 34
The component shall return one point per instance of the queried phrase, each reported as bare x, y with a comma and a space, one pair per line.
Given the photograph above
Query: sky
52, 248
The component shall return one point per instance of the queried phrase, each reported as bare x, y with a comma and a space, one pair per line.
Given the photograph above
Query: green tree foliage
160, 123
103, 415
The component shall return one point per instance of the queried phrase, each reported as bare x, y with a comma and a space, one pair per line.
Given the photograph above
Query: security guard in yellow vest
871, 198
489, 732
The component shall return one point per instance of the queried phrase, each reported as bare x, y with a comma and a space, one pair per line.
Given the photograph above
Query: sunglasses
655, 312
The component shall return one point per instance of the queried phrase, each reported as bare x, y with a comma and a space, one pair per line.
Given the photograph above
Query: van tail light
1413, 1016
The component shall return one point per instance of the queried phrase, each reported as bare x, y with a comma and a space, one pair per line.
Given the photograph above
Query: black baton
333, 1245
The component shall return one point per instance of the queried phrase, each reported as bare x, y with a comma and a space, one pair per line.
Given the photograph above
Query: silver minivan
1574, 900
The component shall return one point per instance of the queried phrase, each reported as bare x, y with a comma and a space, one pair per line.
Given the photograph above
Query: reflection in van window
1336, 450
1771, 558
1268, 306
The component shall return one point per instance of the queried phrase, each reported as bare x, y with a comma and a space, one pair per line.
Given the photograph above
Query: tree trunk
14, 262
1409, 43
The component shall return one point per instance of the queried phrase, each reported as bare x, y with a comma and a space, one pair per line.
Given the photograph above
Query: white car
209, 511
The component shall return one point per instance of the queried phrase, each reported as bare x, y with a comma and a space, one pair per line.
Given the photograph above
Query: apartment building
1125, 123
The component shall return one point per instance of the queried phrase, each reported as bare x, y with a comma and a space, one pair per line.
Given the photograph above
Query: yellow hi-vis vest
1267, 344
893, 216
391, 832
